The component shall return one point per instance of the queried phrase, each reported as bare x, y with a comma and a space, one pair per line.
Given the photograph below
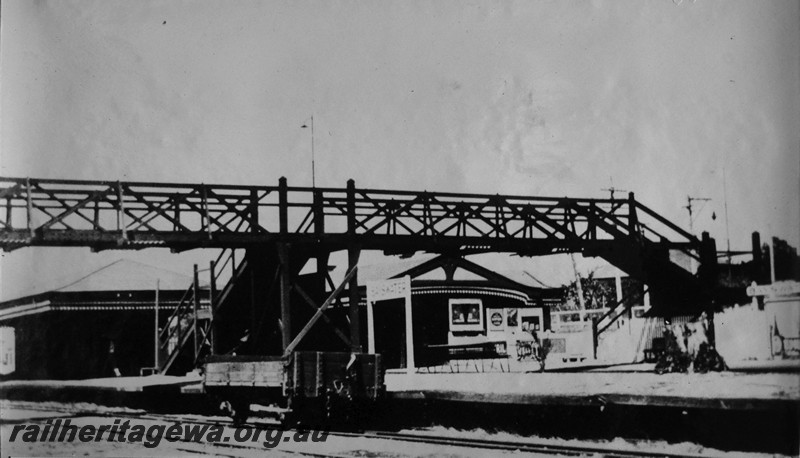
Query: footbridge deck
135, 215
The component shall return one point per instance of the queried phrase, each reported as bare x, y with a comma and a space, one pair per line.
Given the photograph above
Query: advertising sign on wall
7, 350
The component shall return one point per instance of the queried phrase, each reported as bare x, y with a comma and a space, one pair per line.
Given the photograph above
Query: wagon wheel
238, 411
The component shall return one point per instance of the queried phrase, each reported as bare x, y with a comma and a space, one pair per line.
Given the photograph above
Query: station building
460, 311
466, 318
101, 325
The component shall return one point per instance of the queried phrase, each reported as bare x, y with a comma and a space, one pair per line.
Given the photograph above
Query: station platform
127, 384
144, 391
718, 390
624, 386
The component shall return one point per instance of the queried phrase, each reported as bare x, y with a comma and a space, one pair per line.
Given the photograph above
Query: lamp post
305, 126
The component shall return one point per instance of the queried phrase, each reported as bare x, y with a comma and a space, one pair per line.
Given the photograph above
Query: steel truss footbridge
135, 215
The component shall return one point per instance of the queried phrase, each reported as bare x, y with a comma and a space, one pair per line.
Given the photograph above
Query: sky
664, 98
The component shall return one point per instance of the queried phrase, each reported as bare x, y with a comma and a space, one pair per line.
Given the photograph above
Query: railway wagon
306, 385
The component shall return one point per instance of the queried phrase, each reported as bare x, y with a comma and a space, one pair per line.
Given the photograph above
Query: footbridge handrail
135, 215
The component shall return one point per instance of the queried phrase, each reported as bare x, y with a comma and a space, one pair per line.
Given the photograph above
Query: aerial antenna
689, 207
612, 189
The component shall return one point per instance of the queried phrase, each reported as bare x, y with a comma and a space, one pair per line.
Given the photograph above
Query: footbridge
282, 227
136, 215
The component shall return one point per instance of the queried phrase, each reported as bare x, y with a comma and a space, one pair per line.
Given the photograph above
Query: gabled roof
127, 275
385, 271
429, 267
550, 272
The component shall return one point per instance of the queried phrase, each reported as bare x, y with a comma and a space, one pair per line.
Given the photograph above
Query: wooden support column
620, 298
318, 207
212, 304
156, 340
410, 365
122, 225
29, 207
319, 232
353, 253
593, 221
253, 210
196, 309
708, 261
206, 214
253, 315
285, 267
286, 289
633, 219
283, 205
757, 272
322, 269
9, 212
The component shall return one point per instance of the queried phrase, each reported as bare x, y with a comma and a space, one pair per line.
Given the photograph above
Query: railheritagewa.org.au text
151, 435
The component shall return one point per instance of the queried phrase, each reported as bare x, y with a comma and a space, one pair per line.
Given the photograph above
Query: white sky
529, 97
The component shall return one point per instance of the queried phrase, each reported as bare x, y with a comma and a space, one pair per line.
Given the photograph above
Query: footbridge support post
353, 254
633, 219
708, 261
285, 265
285, 294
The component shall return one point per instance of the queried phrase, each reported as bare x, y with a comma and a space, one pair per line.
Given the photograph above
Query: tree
597, 293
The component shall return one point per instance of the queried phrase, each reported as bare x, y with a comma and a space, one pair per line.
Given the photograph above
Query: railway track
488, 445
513, 446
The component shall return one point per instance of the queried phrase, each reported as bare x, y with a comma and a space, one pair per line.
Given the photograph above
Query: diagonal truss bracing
133, 215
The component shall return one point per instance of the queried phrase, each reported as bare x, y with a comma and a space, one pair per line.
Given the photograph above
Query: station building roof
427, 272
121, 285
546, 272
127, 275
545, 277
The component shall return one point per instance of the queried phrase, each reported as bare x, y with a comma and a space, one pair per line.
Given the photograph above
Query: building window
530, 323
466, 315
